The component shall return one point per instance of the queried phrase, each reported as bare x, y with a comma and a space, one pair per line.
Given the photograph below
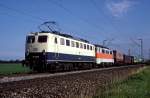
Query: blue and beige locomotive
54, 50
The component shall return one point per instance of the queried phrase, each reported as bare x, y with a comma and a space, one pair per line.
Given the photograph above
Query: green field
13, 68
137, 86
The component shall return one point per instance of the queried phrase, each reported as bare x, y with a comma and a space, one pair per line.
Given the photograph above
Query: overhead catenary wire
104, 16
30, 15
25, 19
38, 19
99, 10
42, 19
136, 43
76, 16
22, 12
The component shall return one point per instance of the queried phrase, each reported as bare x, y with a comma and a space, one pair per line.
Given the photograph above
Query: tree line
11, 61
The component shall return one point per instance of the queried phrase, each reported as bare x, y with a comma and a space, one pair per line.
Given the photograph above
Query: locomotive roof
65, 35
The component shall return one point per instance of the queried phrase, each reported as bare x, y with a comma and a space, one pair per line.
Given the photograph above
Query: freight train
49, 51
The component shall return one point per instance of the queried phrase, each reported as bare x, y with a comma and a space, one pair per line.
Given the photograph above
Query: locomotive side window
42, 39
84, 46
110, 52
72, 44
81, 45
67, 42
77, 44
30, 39
93, 48
107, 51
103, 51
97, 49
62, 42
55, 40
88, 47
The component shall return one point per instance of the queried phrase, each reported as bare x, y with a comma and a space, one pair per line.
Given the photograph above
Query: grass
6, 69
136, 86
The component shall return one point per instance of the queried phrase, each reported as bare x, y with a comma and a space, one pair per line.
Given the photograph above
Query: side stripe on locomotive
104, 56
52, 57
69, 57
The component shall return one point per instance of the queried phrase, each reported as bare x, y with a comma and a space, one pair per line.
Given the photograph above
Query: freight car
128, 59
118, 57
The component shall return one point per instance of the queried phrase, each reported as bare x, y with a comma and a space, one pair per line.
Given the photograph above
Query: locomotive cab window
42, 39
30, 39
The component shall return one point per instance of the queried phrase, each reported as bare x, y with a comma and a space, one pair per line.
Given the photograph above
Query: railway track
6, 79
76, 84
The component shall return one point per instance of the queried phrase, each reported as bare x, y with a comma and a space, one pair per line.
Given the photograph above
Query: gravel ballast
79, 85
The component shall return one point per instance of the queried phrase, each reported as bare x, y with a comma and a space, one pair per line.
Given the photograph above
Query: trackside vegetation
136, 86
12, 68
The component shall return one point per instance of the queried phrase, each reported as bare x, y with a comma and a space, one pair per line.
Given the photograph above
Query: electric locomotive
51, 50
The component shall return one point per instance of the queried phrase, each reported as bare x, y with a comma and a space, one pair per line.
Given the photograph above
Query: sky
120, 22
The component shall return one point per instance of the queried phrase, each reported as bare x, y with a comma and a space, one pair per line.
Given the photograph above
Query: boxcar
118, 58
128, 59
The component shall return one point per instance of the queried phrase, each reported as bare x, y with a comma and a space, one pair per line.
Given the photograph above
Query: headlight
27, 52
43, 52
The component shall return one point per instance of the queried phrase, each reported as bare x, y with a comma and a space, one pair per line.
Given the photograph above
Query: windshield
30, 39
42, 39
